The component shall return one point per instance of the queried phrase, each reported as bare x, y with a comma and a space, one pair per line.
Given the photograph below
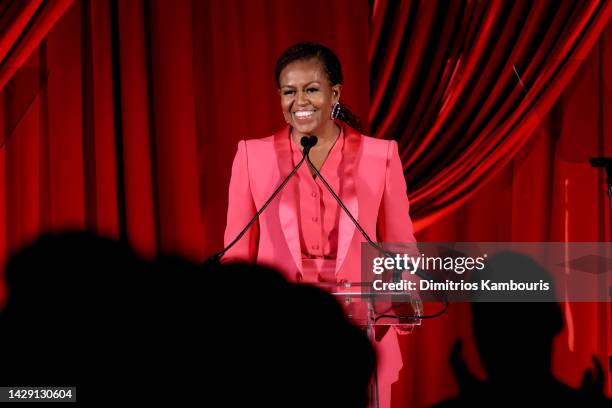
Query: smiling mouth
303, 114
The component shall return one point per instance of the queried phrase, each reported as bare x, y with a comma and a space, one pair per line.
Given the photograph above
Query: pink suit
372, 187
370, 182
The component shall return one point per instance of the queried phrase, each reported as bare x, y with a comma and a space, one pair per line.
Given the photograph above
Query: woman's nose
302, 98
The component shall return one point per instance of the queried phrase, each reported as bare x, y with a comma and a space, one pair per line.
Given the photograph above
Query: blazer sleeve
240, 209
394, 223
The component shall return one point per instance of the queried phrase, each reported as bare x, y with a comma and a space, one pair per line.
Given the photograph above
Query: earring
335, 110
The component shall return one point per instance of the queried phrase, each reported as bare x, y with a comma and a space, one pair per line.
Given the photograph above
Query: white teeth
304, 114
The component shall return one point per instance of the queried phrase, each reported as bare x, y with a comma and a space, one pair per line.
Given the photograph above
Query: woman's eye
311, 90
288, 92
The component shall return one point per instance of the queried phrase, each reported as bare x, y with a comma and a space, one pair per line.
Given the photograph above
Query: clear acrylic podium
369, 309
385, 308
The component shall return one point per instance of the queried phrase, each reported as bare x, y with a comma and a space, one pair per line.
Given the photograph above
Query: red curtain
546, 192
125, 118
461, 85
468, 89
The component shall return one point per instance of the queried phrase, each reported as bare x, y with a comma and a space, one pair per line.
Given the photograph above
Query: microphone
307, 142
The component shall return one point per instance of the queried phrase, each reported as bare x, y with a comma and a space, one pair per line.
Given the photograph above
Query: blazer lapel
287, 210
348, 194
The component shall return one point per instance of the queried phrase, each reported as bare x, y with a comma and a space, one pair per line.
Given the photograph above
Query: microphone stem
373, 244
215, 257
418, 272
346, 210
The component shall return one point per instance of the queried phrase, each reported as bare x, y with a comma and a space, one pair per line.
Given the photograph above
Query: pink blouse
318, 213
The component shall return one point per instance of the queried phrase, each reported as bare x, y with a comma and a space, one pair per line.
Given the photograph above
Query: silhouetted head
85, 311
514, 339
297, 334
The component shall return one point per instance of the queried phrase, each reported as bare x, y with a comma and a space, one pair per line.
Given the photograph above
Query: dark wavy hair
331, 65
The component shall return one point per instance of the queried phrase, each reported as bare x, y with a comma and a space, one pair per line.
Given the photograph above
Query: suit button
315, 219
315, 246
314, 194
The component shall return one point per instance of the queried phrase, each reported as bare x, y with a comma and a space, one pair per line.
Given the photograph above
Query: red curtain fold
23, 25
462, 85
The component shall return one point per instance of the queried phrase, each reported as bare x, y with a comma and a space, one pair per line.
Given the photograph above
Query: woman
304, 233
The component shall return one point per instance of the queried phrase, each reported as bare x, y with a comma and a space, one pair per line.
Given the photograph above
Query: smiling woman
315, 67
304, 233
309, 78
307, 97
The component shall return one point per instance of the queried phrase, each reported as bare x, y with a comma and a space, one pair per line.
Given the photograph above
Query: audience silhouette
85, 311
515, 342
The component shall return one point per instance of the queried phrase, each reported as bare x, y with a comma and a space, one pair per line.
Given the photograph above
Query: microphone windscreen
305, 141
313, 140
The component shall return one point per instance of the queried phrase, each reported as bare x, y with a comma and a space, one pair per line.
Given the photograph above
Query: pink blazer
373, 189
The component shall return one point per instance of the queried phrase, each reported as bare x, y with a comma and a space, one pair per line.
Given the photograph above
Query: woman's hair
331, 65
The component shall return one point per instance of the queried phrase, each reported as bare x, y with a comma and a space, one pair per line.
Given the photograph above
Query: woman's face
307, 96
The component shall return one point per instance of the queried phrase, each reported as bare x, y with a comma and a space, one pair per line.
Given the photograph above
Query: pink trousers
319, 271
